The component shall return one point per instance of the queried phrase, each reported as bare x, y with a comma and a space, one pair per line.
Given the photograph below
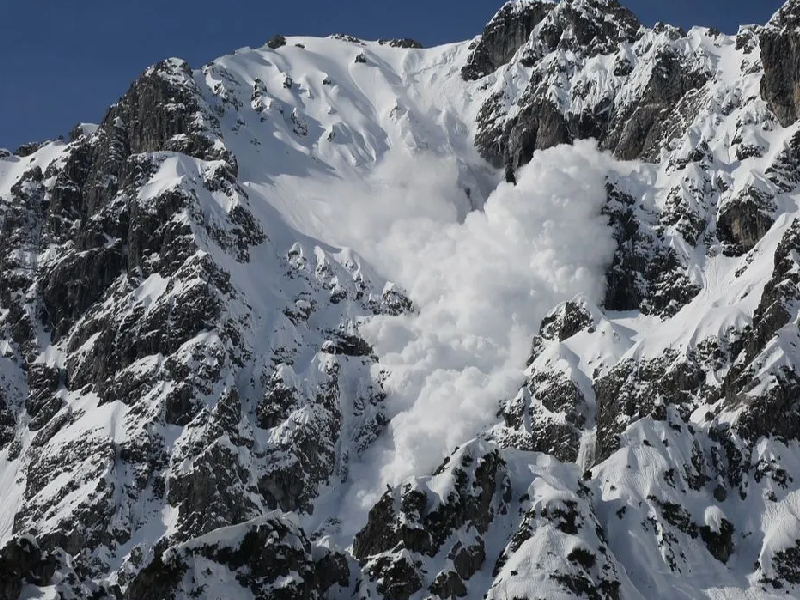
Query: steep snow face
313, 112
248, 318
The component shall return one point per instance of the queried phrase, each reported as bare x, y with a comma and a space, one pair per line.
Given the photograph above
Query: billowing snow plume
481, 286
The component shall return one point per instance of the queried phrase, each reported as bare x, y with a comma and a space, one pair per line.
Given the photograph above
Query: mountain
514, 318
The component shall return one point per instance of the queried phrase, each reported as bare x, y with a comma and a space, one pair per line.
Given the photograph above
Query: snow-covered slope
331, 318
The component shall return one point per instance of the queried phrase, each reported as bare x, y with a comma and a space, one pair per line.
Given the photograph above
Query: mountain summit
513, 318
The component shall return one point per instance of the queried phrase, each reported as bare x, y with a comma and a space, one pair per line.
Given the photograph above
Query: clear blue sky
64, 61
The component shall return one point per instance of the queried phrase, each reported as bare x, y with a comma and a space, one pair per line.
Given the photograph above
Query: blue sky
65, 62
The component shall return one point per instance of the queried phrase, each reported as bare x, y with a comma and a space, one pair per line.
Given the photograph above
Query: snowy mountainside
509, 318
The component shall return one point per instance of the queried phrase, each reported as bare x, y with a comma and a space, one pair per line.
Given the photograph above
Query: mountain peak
505, 33
596, 25
787, 16
213, 383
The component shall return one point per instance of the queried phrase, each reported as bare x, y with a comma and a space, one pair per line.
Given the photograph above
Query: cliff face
207, 380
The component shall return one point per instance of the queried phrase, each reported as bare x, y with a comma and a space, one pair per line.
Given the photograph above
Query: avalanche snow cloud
481, 286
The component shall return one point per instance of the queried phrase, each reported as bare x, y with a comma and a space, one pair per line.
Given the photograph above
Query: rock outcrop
780, 55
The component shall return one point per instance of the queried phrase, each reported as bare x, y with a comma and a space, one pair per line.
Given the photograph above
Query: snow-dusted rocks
402, 43
628, 87
269, 557
440, 520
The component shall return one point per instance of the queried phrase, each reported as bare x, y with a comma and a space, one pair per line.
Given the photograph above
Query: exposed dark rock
503, 36
332, 569
394, 302
22, 562
638, 130
344, 37
775, 411
159, 113
565, 321
719, 543
582, 557
7, 423
742, 225
468, 560
637, 389
397, 579
377, 535
786, 564
216, 483
448, 585
784, 172
347, 344
405, 43
279, 400
305, 458
537, 127
547, 415
582, 586
276, 41
403, 521
25, 150
20, 232
107, 241
780, 55
646, 273
191, 397
779, 293
271, 557
158, 580
76, 283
